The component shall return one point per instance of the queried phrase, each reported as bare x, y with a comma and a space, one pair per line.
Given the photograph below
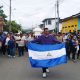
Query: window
49, 22
75, 25
68, 26
72, 26
45, 22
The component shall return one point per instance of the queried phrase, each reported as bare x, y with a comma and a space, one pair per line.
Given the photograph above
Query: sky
31, 13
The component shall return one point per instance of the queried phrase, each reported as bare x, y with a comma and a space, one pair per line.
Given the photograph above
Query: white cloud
69, 7
32, 12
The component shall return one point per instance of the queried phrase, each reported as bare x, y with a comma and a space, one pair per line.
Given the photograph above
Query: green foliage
2, 13
14, 26
55, 30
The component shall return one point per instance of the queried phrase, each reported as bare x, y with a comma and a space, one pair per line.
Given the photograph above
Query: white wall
52, 26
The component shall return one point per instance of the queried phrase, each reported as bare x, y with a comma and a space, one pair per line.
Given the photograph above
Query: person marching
11, 47
78, 48
46, 38
73, 43
21, 44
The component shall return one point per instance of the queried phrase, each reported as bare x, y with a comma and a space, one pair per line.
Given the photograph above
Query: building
1, 24
50, 23
41, 26
71, 23
37, 31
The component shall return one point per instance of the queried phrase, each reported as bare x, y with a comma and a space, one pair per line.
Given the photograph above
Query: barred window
49, 22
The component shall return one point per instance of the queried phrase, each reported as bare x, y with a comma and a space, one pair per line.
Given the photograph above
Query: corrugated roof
71, 17
60, 20
48, 19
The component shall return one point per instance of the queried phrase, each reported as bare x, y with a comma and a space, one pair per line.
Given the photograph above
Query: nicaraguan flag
46, 55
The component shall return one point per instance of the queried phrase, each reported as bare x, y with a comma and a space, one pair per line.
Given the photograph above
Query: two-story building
41, 26
50, 23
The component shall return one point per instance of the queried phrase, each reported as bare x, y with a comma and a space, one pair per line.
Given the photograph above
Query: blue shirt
11, 44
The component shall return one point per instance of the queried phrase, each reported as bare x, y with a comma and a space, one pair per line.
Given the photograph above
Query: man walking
46, 38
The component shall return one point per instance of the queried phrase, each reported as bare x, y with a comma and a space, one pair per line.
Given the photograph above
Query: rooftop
71, 17
48, 19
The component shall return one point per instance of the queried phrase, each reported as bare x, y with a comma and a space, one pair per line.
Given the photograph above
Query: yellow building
71, 23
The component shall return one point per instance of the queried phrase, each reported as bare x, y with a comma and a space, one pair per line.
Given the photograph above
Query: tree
55, 30
2, 13
14, 26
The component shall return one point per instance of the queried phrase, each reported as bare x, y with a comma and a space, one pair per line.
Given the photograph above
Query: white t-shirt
64, 38
22, 42
17, 38
7, 39
30, 38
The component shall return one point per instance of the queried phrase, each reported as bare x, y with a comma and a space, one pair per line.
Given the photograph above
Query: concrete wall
50, 27
71, 24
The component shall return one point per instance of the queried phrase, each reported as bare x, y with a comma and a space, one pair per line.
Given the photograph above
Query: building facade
41, 26
71, 23
50, 23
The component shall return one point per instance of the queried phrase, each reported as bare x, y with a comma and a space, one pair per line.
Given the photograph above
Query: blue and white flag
46, 55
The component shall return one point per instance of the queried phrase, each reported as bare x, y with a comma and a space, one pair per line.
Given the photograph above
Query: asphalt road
19, 68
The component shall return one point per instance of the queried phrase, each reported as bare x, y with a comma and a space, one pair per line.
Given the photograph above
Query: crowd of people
12, 44
72, 41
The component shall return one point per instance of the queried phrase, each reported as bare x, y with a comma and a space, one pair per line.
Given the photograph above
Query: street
19, 68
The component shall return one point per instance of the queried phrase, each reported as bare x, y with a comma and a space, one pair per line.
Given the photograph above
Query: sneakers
47, 70
44, 75
13, 56
8, 55
74, 61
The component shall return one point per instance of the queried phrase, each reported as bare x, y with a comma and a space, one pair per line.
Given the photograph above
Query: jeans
78, 54
12, 51
44, 70
21, 50
3, 49
0, 50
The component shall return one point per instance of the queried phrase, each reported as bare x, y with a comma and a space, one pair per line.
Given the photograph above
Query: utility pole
57, 16
55, 19
10, 17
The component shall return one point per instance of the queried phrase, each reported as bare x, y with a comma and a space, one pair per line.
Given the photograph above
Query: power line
61, 1
5, 3
39, 9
